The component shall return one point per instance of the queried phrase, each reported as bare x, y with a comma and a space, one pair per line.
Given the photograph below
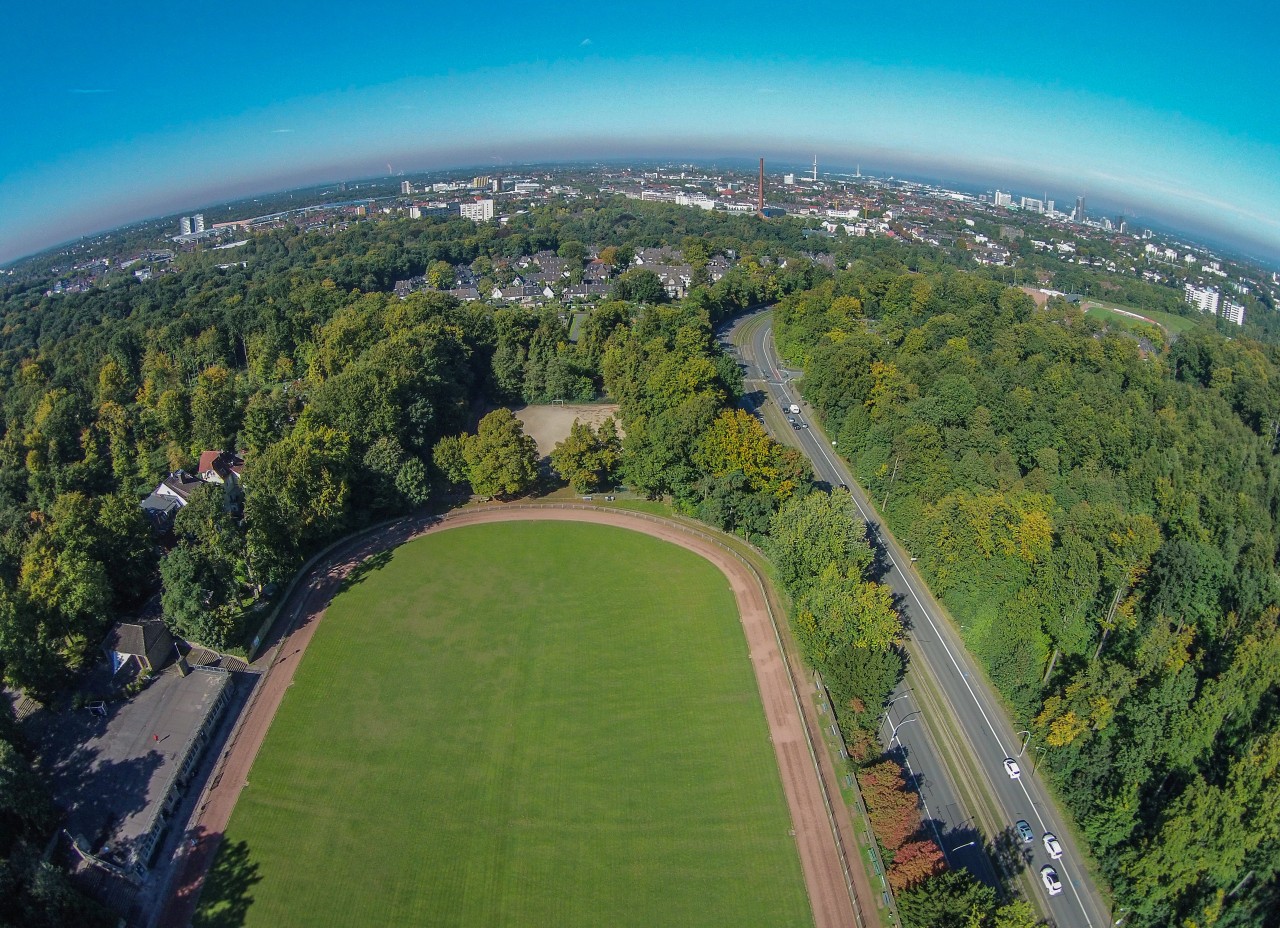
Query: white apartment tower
1204, 299
479, 211
197, 222
1233, 312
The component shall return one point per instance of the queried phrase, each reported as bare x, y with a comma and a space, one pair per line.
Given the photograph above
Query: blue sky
117, 113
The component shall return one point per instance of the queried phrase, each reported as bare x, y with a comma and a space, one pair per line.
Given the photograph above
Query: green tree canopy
588, 458
501, 459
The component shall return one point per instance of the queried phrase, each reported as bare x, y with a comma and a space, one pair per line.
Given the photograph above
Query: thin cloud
89, 90
584, 43
278, 131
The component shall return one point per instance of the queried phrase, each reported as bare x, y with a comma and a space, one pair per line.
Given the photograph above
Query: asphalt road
985, 732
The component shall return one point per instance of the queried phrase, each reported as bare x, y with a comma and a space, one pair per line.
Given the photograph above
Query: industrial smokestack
760, 207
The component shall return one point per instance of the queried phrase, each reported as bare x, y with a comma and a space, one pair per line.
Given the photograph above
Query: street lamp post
1036, 756
961, 846
894, 734
888, 707
1025, 740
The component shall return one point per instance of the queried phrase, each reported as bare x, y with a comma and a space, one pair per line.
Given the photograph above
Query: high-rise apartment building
479, 211
1078, 213
1204, 299
197, 222
1233, 312
1004, 199
184, 225
406, 188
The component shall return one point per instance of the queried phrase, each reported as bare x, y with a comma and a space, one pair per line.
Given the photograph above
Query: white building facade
479, 211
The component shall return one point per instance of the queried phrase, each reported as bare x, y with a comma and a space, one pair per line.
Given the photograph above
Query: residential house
404, 287
587, 290
220, 468
597, 270
676, 278
717, 267
169, 496
223, 468
647, 257
518, 292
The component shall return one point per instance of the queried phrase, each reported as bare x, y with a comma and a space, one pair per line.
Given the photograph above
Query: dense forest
1103, 522
1103, 519
336, 392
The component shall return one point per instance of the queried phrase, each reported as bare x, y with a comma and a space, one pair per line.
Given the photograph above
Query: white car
1051, 846
1011, 767
1049, 877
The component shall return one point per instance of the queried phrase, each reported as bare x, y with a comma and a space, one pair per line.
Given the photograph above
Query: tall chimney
761, 188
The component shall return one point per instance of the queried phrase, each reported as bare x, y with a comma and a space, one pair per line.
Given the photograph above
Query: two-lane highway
938, 653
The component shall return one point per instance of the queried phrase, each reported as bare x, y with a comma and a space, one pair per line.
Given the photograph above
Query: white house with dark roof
172, 493
220, 468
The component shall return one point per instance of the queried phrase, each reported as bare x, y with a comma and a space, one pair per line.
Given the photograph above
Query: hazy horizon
137, 118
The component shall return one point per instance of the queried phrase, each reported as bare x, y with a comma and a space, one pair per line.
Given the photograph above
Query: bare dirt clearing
550, 425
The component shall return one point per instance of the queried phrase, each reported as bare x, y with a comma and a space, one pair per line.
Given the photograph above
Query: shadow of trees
227, 896
369, 565
1009, 853
100, 793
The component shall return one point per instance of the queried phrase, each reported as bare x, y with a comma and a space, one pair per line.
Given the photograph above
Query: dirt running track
819, 854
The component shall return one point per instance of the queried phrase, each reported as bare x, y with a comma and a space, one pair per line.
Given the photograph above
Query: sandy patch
549, 425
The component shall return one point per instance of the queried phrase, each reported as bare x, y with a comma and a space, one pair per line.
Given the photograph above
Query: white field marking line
765, 333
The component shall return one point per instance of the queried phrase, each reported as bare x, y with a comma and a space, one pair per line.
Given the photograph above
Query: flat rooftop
113, 778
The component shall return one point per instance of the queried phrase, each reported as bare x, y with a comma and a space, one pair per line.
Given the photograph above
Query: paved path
820, 855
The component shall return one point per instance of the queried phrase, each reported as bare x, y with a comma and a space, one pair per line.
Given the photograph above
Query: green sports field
528, 723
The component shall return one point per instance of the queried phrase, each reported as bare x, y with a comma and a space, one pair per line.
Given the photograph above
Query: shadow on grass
226, 898
373, 562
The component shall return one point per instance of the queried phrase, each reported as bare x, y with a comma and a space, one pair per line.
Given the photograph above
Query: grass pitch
518, 724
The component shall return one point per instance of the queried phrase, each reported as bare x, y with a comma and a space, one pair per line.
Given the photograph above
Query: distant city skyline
119, 119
